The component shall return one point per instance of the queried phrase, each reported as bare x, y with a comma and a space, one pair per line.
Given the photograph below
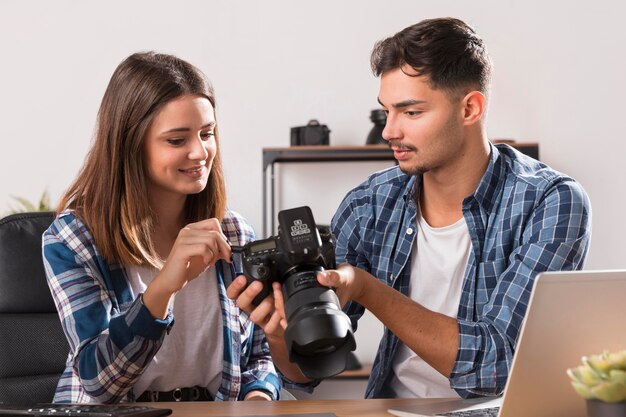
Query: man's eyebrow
404, 103
186, 129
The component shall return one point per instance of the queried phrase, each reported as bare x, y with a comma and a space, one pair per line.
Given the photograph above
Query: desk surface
341, 408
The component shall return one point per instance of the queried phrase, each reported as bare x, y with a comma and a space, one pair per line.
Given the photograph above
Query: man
443, 249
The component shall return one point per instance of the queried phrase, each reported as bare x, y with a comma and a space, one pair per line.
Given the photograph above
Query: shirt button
409, 231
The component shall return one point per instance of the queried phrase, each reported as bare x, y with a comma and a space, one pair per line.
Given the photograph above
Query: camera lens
319, 335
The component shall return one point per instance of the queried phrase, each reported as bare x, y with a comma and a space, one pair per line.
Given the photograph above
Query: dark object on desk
319, 334
313, 133
84, 410
33, 347
196, 393
375, 137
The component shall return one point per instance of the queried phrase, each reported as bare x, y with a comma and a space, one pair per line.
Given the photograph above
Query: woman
143, 235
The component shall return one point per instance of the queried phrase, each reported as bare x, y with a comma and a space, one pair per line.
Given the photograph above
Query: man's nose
391, 130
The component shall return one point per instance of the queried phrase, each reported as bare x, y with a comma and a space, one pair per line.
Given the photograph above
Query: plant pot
601, 409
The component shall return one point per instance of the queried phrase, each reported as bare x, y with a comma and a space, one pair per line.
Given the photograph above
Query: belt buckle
177, 394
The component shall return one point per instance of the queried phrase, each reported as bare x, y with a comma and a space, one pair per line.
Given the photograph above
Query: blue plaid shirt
112, 335
524, 218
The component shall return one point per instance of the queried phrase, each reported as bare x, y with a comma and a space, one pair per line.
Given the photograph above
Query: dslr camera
312, 134
319, 334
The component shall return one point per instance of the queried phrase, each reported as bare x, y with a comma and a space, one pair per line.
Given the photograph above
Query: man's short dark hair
446, 50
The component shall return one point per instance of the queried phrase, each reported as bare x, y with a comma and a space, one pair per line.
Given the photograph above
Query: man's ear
474, 105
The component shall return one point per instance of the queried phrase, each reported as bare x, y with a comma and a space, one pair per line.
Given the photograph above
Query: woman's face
179, 147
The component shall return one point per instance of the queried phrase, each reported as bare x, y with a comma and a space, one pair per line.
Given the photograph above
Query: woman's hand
197, 246
269, 314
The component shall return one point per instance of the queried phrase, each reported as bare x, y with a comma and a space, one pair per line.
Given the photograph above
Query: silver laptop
570, 314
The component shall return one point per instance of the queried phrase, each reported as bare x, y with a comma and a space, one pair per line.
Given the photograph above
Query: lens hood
319, 340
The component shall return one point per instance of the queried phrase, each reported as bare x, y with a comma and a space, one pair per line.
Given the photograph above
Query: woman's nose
198, 150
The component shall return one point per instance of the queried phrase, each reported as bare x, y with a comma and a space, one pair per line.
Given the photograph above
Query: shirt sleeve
556, 237
259, 372
346, 227
109, 348
257, 368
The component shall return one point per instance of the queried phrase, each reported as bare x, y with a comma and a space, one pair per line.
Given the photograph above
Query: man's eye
175, 141
207, 135
412, 113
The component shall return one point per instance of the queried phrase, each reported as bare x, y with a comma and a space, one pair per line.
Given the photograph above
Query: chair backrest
33, 348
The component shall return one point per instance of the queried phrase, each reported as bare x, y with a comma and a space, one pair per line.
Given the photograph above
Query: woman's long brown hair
110, 193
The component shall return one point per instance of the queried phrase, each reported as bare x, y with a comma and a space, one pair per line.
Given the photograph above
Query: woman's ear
474, 106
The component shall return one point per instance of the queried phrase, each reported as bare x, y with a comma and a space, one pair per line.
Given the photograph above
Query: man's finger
328, 278
236, 287
261, 312
279, 299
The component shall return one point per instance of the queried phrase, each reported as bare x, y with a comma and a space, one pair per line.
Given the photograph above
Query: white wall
559, 80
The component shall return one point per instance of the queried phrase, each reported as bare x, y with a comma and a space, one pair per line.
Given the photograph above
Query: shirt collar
412, 189
486, 193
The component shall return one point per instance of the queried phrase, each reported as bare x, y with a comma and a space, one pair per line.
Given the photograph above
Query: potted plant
601, 380
26, 206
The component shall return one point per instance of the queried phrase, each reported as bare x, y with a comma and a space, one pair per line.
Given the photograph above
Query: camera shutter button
262, 271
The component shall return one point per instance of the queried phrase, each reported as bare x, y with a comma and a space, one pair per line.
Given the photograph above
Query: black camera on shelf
319, 334
313, 133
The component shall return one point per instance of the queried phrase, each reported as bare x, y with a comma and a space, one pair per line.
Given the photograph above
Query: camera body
313, 133
319, 334
299, 246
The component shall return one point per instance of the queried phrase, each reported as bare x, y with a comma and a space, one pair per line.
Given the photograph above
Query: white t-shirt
438, 261
192, 353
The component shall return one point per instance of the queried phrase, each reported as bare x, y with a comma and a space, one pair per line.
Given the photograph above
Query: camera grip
259, 272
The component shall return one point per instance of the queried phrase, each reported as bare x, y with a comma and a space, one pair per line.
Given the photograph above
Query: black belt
179, 394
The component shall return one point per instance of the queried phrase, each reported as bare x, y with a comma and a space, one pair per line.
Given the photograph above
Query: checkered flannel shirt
523, 218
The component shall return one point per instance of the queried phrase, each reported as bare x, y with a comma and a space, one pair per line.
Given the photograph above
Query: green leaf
585, 375
44, 202
25, 204
599, 363
610, 392
583, 390
617, 375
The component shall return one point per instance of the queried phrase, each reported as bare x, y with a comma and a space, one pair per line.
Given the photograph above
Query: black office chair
33, 348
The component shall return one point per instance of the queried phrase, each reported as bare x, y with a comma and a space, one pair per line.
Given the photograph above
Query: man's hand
257, 396
348, 281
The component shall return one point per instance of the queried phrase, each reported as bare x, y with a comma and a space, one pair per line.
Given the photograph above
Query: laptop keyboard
84, 410
483, 412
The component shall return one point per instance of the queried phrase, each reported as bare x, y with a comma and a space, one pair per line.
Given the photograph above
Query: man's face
424, 127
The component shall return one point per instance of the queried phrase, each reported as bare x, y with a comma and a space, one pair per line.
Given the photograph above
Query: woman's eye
207, 135
175, 141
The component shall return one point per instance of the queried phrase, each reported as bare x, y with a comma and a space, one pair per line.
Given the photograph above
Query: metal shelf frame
327, 153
